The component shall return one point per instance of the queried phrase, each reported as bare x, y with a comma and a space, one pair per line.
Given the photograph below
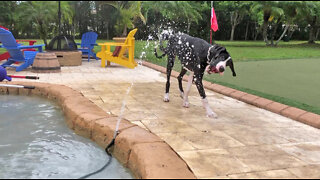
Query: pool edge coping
293, 113
145, 154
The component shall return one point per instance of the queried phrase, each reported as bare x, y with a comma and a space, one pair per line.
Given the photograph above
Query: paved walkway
244, 142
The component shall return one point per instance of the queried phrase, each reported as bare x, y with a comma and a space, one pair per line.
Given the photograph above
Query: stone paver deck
244, 142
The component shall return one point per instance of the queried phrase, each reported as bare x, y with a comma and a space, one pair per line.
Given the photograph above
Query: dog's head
218, 59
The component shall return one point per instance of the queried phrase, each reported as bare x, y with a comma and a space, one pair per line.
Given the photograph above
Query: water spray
116, 132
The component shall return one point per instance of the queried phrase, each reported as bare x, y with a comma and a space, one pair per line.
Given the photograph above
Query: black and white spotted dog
196, 56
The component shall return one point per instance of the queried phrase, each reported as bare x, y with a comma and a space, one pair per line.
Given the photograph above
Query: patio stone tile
176, 141
276, 120
297, 134
213, 163
306, 172
210, 140
164, 126
136, 115
216, 177
273, 174
139, 123
307, 152
253, 136
263, 158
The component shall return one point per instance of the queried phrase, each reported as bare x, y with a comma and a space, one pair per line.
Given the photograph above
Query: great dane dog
196, 56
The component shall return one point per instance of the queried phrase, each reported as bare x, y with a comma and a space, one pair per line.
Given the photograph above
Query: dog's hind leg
182, 73
186, 94
170, 64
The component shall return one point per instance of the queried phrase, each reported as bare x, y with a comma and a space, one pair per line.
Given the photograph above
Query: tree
7, 9
290, 14
272, 13
271, 19
82, 15
129, 11
40, 14
237, 10
106, 19
192, 12
309, 12
176, 12
67, 15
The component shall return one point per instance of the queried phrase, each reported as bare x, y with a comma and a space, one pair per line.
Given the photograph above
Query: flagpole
210, 23
210, 36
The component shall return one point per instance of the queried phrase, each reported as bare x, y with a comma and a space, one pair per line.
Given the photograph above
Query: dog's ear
230, 64
219, 50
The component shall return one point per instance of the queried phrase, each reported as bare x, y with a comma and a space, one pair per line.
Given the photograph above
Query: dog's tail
156, 54
164, 50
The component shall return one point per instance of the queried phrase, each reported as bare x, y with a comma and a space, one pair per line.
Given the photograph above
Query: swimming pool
36, 143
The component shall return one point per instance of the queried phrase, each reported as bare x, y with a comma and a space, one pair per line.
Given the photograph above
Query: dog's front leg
186, 94
182, 73
205, 102
210, 113
169, 69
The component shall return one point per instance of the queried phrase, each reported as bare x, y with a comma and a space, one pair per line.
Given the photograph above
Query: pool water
35, 142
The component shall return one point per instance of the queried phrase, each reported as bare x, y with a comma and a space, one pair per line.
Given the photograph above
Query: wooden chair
118, 56
88, 41
6, 55
15, 51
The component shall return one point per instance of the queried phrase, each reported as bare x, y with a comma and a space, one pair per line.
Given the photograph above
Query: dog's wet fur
196, 56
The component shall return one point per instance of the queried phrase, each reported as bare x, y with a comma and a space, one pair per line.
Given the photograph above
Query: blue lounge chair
16, 54
88, 41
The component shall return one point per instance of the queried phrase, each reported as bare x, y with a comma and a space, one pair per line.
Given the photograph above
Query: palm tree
7, 9
238, 10
271, 13
129, 11
67, 17
175, 13
41, 14
290, 14
309, 12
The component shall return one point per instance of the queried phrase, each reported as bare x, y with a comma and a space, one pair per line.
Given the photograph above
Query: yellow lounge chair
119, 56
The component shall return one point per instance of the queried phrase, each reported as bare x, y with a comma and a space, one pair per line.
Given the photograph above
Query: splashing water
122, 110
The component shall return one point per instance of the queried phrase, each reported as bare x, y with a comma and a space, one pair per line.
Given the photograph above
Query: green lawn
288, 73
246, 51
293, 82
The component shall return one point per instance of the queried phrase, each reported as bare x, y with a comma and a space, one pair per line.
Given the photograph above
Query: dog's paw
166, 98
212, 115
182, 94
186, 104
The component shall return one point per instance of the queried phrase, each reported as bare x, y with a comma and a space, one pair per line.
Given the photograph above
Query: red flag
214, 23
